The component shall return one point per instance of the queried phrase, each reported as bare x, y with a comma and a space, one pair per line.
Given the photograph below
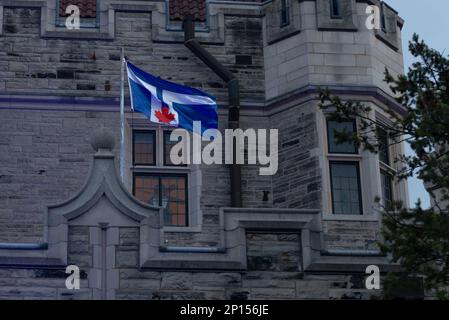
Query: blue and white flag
169, 103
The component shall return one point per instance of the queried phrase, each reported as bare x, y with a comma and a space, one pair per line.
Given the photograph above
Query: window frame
284, 13
161, 175
333, 4
365, 168
369, 169
359, 182
191, 171
383, 18
387, 168
386, 148
354, 128
60, 21
386, 173
136, 131
164, 144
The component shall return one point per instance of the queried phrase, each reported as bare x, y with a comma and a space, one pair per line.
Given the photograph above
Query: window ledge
90, 34
344, 156
188, 229
158, 169
350, 217
386, 167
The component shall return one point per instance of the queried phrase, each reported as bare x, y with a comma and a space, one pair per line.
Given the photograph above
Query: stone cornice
70, 103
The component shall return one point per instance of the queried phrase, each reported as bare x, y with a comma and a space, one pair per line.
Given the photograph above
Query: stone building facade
297, 235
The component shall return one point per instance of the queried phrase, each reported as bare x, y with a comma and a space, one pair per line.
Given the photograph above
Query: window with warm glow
157, 181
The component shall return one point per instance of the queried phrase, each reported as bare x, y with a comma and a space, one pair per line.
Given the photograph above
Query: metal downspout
233, 97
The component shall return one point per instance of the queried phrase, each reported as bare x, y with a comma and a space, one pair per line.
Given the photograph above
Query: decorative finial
102, 139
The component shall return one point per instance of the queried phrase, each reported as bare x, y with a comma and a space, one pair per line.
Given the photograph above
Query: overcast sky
429, 19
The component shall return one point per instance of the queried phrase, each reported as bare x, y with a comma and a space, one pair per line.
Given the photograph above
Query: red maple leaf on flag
165, 116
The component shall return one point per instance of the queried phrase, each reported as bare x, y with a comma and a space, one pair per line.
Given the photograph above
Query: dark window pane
345, 184
384, 154
144, 148
284, 13
167, 148
335, 9
383, 19
347, 127
387, 190
170, 192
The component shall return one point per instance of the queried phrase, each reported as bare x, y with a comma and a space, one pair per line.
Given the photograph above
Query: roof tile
179, 8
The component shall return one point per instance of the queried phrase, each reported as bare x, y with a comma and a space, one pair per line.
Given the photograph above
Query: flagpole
122, 116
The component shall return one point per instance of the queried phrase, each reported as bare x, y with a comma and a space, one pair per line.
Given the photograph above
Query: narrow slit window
387, 190
384, 147
335, 9
383, 19
285, 19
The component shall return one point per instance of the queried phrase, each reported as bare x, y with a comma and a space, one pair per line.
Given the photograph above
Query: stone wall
45, 154
274, 272
298, 181
144, 285
273, 251
356, 235
43, 150
79, 251
38, 147
91, 68
45, 158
